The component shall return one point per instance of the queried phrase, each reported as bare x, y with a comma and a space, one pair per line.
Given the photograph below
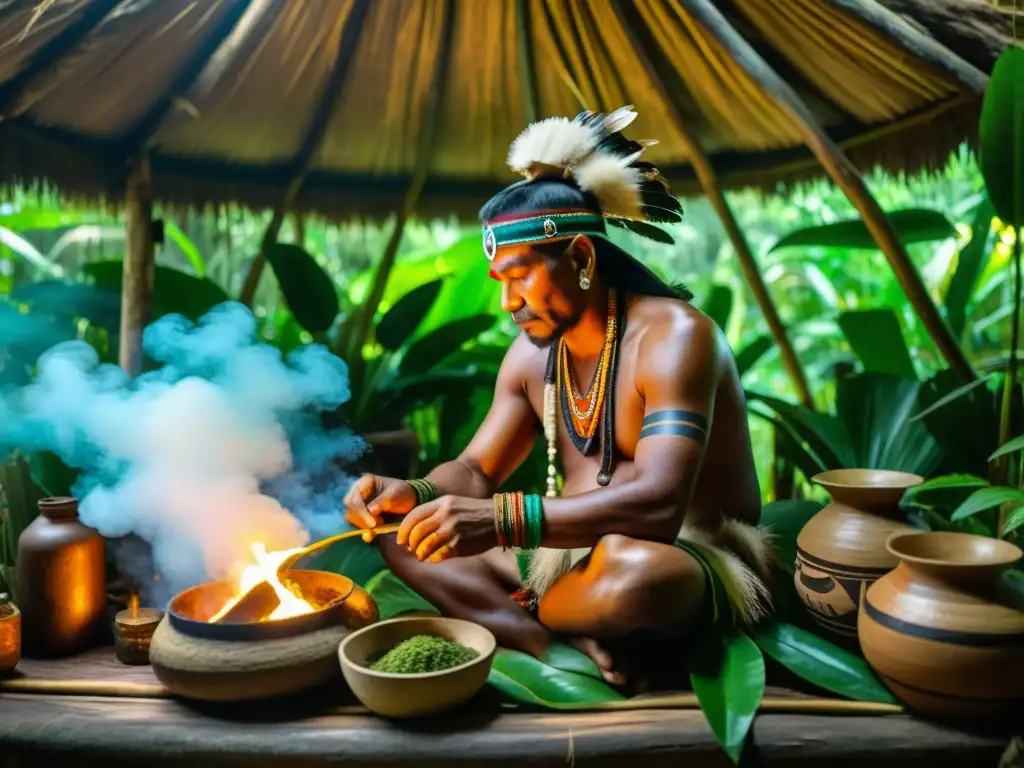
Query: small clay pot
841, 550
10, 635
133, 632
939, 630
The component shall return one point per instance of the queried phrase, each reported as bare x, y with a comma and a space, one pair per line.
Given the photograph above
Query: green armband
425, 491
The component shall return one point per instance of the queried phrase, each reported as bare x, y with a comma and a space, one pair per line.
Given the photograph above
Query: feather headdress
591, 151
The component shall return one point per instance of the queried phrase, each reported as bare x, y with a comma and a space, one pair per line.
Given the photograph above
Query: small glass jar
133, 631
10, 635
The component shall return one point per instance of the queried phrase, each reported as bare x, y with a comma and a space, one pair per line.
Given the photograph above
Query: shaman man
652, 502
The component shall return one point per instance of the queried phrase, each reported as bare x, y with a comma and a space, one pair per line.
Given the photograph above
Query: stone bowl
416, 695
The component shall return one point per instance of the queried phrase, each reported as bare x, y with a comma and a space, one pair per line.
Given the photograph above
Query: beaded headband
538, 227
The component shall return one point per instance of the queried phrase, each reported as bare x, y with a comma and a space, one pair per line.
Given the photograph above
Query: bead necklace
582, 424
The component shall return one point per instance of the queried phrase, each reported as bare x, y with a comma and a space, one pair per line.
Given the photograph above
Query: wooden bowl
395, 695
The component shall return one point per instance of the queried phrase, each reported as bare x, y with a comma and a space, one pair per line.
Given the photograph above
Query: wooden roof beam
527, 67
53, 51
926, 48
840, 168
311, 140
668, 83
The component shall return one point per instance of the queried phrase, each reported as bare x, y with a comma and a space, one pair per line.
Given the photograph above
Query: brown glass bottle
61, 581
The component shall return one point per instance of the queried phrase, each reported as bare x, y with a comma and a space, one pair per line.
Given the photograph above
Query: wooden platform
151, 729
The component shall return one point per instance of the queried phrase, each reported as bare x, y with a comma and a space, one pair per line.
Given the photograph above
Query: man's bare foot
602, 657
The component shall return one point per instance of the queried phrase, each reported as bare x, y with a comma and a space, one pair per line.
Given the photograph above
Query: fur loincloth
741, 554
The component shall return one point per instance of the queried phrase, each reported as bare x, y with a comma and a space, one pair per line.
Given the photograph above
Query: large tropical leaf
824, 434
174, 292
431, 349
189, 249
526, 679
718, 305
307, 288
100, 306
401, 321
876, 338
785, 519
394, 597
1001, 136
877, 411
730, 695
1011, 446
749, 356
820, 662
968, 267
988, 498
913, 225
963, 419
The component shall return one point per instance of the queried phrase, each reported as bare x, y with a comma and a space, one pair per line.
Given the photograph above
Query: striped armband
675, 422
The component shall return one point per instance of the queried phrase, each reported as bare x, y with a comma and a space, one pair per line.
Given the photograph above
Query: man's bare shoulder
672, 327
523, 360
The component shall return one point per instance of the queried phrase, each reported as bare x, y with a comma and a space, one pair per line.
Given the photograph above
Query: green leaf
1012, 583
100, 306
434, 347
401, 321
563, 656
174, 292
730, 698
963, 419
1012, 446
823, 433
877, 411
987, 498
747, 357
307, 288
52, 475
351, 558
877, 339
394, 597
186, 246
1013, 521
718, 305
946, 481
968, 267
22, 499
524, 678
23, 248
913, 225
821, 663
1001, 136
785, 519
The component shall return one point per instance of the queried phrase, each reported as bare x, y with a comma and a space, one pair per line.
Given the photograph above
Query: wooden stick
311, 141
715, 26
709, 182
429, 129
922, 46
139, 267
527, 69
86, 688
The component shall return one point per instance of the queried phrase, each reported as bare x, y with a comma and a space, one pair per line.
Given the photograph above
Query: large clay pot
940, 631
841, 550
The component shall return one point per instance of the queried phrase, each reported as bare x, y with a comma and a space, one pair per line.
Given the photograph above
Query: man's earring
584, 280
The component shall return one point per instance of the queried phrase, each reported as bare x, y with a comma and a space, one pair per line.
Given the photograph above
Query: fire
265, 569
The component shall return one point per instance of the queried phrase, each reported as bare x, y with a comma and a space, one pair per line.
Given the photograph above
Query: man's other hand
372, 496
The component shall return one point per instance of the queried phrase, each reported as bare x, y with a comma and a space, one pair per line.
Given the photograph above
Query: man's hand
451, 526
371, 496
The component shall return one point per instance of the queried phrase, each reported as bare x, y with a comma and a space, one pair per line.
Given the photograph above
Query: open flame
265, 569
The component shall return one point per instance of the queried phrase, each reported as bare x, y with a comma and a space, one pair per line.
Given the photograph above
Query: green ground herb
423, 653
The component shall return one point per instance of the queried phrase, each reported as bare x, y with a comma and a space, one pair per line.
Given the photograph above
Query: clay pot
61, 581
10, 635
841, 550
939, 630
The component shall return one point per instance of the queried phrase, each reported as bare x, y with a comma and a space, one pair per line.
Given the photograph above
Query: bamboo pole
708, 180
139, 267
314, 135
715, 26
429, 129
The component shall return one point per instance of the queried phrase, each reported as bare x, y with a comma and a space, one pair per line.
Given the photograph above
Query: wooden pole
715, 26
139, 267
709, 183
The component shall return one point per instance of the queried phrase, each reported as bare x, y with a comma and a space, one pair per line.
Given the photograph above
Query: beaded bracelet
518, 520
425, 491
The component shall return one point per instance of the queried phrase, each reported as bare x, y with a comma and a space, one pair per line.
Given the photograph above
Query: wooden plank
164, 732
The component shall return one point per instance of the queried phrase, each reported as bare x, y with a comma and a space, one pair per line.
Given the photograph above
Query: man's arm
503, 440
677, 376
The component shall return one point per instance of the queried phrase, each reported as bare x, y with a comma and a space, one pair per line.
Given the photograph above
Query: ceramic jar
940, 629
841, 550
61, 582
10, 634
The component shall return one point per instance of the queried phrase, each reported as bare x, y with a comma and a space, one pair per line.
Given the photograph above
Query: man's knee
645, 583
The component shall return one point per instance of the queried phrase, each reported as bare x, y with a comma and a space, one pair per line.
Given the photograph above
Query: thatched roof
233, 99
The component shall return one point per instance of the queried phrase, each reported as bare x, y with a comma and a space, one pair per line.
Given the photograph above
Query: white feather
555, 142
619, 119
615, 185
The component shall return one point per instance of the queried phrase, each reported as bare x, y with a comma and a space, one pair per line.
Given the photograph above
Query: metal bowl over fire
286, 644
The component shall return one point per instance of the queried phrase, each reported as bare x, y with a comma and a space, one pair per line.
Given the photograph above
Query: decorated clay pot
940, 629
841, 550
